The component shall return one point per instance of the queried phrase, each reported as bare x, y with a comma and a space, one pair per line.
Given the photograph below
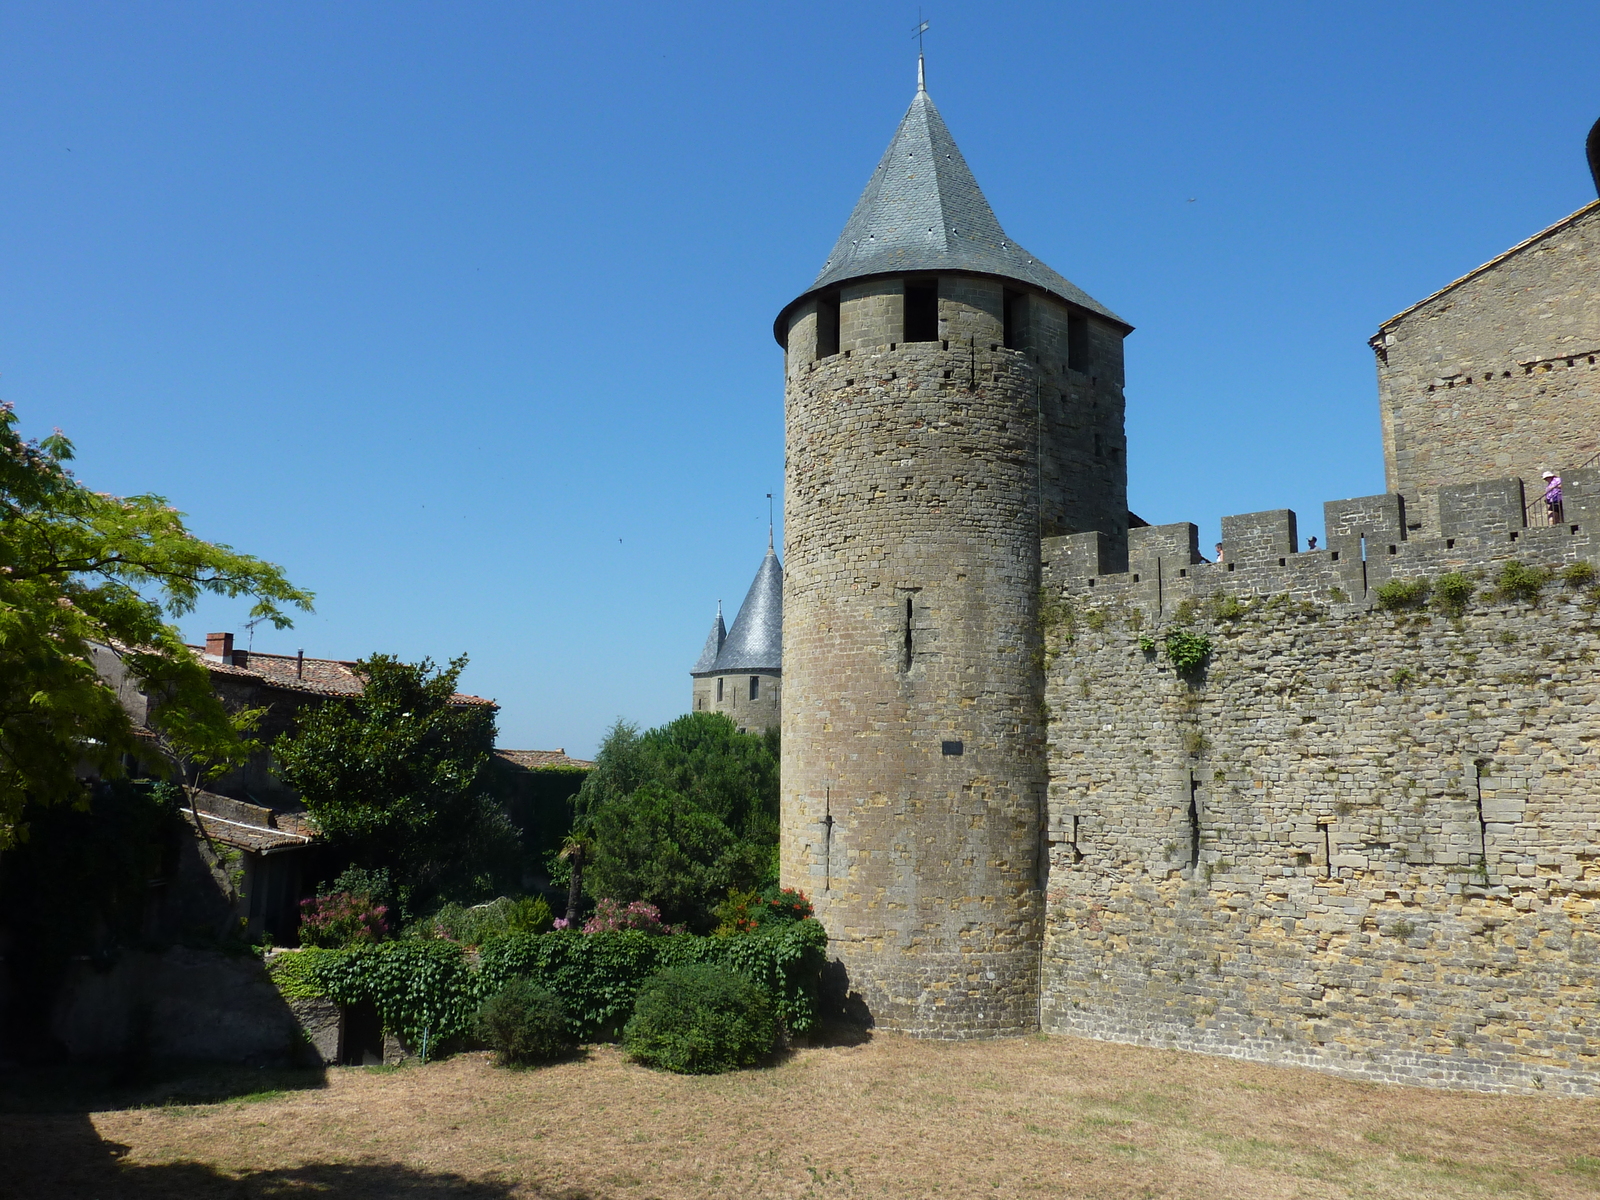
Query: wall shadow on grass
60, 1156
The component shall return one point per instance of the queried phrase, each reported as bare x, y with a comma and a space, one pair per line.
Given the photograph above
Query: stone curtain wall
1359, 840
1498, 374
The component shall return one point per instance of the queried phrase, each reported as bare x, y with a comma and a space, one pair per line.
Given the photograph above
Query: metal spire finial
922, 28
769, 521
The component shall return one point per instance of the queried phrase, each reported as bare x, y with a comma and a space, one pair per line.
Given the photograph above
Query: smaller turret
739, 671
1593, 148
706, 664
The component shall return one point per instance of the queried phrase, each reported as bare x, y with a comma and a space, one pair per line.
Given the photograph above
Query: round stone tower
949, 400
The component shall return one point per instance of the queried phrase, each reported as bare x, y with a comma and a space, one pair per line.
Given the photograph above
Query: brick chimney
220, 645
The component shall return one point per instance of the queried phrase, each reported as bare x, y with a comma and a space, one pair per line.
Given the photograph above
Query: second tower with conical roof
949, 401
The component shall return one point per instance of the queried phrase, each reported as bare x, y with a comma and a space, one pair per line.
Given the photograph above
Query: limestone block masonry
1496, 374
913, 765
1359, 837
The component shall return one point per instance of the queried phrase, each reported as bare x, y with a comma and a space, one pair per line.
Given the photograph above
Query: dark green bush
700, 1020
524, 1024
598, 975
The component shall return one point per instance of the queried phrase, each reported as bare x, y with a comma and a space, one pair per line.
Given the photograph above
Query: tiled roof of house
251, 826
534, 760
317, 676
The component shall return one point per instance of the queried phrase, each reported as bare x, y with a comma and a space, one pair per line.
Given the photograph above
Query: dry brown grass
891, 1117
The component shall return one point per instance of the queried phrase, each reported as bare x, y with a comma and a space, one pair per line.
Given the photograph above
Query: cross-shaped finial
922, 28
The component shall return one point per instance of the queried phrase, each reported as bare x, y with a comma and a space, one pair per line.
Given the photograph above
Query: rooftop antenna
922, 28
250, 644
769, 520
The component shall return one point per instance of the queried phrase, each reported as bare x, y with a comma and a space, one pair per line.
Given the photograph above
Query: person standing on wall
1552, 497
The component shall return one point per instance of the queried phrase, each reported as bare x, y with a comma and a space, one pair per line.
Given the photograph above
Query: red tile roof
318, 676
534, 760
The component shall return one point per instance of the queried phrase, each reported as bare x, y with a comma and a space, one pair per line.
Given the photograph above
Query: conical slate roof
706, 664
923, 211
755, 643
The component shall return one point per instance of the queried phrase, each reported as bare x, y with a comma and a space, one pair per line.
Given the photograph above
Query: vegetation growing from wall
396, 779
1517, 584
81, 569
1187, 650
1453, 593
1400, 594
677, 816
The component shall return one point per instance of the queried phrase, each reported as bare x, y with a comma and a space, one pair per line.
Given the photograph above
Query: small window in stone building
908, 633
922, 311
755, 687
1015, 315
827, 325
719, 691
1078, 356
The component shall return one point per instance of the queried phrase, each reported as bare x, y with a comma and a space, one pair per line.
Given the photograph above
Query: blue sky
462, 313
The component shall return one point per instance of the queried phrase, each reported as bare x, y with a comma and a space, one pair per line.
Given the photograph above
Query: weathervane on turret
922, 28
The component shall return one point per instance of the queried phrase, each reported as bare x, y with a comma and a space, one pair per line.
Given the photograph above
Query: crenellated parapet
1368, 544
1299, 814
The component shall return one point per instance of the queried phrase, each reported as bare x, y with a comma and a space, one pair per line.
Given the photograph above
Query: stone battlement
1368, 544
1357, 839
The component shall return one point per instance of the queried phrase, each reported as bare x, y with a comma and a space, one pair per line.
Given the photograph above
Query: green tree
680, 815
84, 573
397, 779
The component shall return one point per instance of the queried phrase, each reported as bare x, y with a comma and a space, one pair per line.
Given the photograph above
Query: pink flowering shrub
609, 916
342, 919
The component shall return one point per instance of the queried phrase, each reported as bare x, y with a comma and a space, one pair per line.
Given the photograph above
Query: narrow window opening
755, 687
1363, 547
1097, 452
827, 839
1194, 822
827, 325
719, 691
908, 633
1013, 315
1327, 849
1074, 854
955, 749
922, 312
1078, 357
1483, 826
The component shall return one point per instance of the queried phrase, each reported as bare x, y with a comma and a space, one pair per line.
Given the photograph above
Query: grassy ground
888, 1117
